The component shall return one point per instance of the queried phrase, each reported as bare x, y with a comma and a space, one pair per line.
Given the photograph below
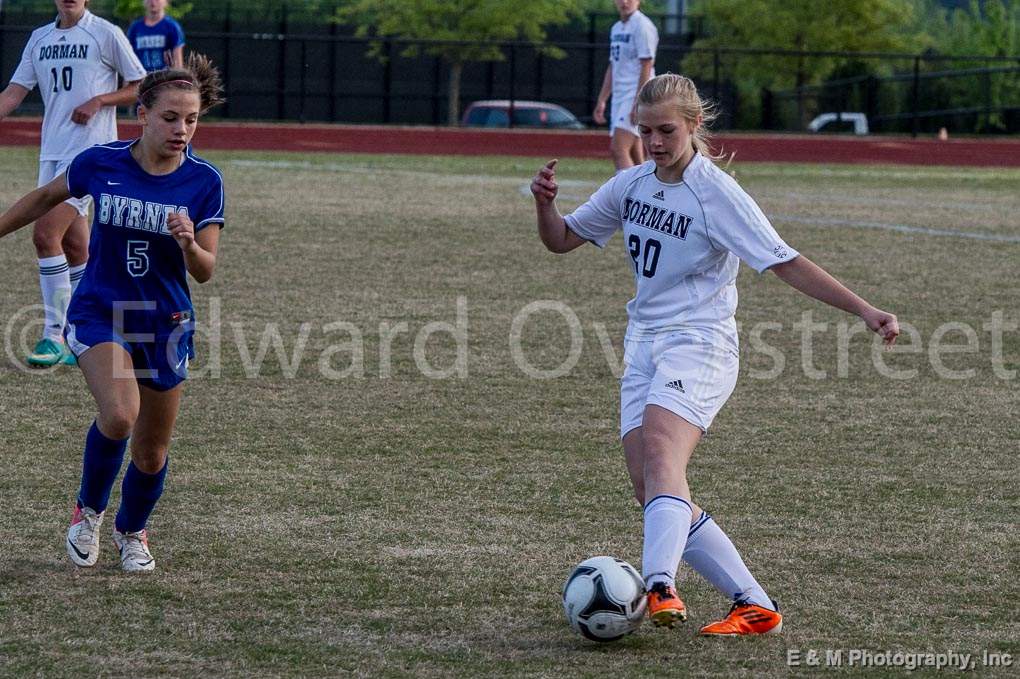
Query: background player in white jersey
633, 40
75, 61
159, 211
685, 223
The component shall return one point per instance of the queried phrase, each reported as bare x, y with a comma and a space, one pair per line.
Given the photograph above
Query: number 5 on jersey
137, 259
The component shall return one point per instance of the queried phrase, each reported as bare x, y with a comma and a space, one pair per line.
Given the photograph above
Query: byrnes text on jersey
132, 213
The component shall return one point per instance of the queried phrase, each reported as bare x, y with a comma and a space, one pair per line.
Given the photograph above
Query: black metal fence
984, 99
323, 77
322, 74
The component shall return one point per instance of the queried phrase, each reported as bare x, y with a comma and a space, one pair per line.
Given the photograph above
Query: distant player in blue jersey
158, 215
156, 38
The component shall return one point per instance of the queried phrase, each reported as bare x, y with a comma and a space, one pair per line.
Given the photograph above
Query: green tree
127, 10
488, 21
992, 29
801, 25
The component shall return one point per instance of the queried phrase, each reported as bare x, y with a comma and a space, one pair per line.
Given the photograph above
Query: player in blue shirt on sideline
131, 321
157, 39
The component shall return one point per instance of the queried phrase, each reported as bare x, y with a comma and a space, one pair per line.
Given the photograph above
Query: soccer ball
604, 599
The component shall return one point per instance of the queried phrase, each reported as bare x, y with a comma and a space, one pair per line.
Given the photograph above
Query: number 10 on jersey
66, 78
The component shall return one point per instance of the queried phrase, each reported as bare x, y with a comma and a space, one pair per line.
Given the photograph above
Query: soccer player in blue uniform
156, 38
158, 215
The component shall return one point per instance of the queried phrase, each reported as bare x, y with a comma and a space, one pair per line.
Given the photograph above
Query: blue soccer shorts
160, 359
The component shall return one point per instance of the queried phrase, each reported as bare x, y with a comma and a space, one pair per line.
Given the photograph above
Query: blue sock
138, 496
100, 466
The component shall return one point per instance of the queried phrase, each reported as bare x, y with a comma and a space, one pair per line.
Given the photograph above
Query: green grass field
387, 523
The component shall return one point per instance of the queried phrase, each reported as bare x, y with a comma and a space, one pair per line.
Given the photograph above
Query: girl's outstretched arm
34, 205
814, 281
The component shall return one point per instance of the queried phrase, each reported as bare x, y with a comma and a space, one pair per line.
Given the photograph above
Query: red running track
547, 144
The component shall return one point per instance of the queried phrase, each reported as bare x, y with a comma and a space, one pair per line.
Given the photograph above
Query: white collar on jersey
86, 16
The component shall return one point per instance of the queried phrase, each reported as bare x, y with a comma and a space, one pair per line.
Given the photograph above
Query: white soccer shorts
687, 375
49, 169
620, 118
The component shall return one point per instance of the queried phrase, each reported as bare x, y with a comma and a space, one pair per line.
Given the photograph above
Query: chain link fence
277, 67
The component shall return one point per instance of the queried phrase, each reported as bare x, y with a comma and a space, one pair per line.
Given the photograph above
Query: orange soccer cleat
745, 618
664, 606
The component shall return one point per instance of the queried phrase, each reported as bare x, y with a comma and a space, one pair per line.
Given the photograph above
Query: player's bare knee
76, 250
655, 440
149, 458
663, 465
46, 242
661, 454
117, 421
76, 255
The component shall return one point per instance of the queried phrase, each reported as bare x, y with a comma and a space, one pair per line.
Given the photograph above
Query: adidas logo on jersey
676, 384
659, 195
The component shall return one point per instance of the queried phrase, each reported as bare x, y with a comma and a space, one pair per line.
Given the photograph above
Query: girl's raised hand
544, 186
182, 229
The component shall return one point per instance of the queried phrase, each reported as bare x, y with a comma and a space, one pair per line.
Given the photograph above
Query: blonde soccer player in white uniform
633, 41
75, 61
686, 225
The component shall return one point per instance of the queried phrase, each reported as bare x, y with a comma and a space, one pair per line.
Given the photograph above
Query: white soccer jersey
630, 42
71, 66
684, 241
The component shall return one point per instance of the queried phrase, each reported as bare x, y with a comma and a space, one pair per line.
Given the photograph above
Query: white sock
76, 273
667, 520
55, 282
712, 554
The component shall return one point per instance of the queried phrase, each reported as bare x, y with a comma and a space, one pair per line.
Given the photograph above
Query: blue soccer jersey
152, 42
136, 273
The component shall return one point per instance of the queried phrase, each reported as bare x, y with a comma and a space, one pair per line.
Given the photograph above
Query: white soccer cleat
83, 536
134, 551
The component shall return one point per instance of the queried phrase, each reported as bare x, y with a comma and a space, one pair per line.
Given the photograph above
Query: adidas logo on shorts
676, 384
659, 195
